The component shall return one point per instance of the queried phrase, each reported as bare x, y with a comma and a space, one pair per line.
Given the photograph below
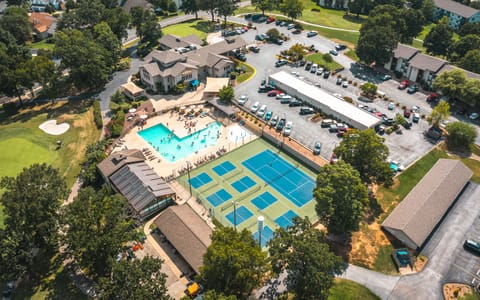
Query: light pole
234, 215
260, 221
189, 182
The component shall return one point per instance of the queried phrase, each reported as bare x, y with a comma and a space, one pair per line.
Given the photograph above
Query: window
145, 74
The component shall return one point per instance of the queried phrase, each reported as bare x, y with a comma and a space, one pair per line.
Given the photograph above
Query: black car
317, 148
326, 73
339, 81
295, 103
306, 111
281, 124
308, 65
277, 41
473, 246
302, 63
340, 47
240, 56
281, 62
254, 49
277, 22
297, 31
388, 121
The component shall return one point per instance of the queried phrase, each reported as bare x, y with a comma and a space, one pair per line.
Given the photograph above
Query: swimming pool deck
228, 140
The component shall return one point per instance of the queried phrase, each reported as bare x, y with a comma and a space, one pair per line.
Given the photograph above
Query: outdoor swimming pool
173, 148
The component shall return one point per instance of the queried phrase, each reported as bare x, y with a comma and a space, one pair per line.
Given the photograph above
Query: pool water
173, 148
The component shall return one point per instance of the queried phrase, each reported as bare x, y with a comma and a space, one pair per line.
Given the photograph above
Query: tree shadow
204, 26
354, 19
374, 209
340, 245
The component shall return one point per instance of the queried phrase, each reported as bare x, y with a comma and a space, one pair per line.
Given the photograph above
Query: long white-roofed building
327, 103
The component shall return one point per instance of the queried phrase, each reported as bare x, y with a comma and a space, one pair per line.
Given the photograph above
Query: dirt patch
453, 291
366, 243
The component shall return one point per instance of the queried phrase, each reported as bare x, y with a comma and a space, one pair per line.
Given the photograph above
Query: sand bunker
51, 127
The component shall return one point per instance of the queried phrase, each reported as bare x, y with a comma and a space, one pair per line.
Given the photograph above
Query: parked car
326, 73
306, 111
416, 117
333, 52
283, 23
280, 124
288, 128
406, 113
339, 81
242, 100
319, 71
391, 106
385, 77
286, 99
281, 62
313, 69
290, 26
302, 63
472, 246
277, 22
326, 123
473, 116
260, 37
273, 121
433, 97
261, 111
407, 124
280, 96
403, 85
311, 33
273, 93
317, 148
340, 47
412, 88
308, 65
254, 49
255, 107
268, 115
388, 121
297, 31
240, 56
270, 20
295, 103
333, 128
460, 110
277, 41
345, 84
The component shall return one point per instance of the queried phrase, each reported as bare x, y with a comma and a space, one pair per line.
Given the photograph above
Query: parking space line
465, 270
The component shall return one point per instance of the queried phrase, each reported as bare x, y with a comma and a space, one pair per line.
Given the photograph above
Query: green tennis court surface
262, 181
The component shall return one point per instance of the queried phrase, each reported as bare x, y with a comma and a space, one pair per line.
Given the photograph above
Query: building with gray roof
127, 173
457, 13
416, 217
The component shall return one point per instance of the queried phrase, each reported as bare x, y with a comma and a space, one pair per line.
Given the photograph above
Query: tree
89, 13
226, 94
469, 28
439, 38
149, 30
263, 5
360, 6
414, 21
105, 38
15, 21
341, 197
273, 34
109, 3
85, 59
118, 21
191, 7
327, 57
136, 14
300, 250
369, 88
30, 203
209, 6
234, 263
94, 154
466, 43
366, 152
213, 295
471, 61
226, 8
450, 83
172, 7
439, 113
95, 228
428, 10
460, 135
470, 92
291, 8
136, 279
16, 2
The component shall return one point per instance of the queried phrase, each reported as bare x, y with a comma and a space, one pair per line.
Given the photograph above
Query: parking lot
404, 148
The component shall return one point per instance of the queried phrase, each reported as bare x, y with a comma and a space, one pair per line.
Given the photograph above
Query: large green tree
95, 227
439, 38
226, 93
360, 6
209, 6
450, 83
341, 197
291, 8
226, 8
463, 45
263, 5
367, 153
470, 92
118, 21
471, 61
30, 202
439, 113
15, 20
460, 135
301, 251
136, 279
105, 38
191, 7
234, 263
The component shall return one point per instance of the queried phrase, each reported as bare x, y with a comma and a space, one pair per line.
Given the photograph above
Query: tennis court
243, 184
200, 180
261, 181
224, 168
283, 176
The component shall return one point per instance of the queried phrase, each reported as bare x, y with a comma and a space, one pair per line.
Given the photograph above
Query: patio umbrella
143, 117
132, 110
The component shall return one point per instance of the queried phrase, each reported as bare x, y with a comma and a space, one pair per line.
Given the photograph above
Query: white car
295, 73
345, 84
255, 107
391, 106
290, 26
242, 100
288, 128
473, 116
339, 96
262, 110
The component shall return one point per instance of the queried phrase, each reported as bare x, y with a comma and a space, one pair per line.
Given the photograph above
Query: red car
273, 93
433, 97
270, 20
407, 112
403, 85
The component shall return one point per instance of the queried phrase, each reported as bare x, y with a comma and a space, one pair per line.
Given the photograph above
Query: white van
261, 111
314, 68
255, 107
380, 93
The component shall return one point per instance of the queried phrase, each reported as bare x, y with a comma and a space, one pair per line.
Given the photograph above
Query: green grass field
318, 59
236, 157
42, 45
198, 27
348, 290
250, 72
22, 143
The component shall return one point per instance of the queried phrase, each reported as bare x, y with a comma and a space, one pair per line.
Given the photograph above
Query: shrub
97, 114
10, 108
348, 99
316, 9
389, 130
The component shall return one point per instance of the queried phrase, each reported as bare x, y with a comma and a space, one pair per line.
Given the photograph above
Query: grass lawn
343, 37
351, 53
42, 45
198, 27
22, 143
348, 290
318, 59
250, 72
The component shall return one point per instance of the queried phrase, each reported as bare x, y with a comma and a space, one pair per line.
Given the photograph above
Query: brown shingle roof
152, 69
117, 160
187, 232
193, 39
174, 41
166, 57
41, 21
455, 7
426, 62
416, 216
404, 51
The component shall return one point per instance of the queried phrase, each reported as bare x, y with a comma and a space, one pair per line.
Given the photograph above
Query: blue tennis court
219, 197
242, 213
285, 219
287, 179
264, 200
200, 180
223, 168
267, 235
243, 184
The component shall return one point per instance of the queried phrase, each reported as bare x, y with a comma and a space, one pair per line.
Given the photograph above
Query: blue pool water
173, 148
